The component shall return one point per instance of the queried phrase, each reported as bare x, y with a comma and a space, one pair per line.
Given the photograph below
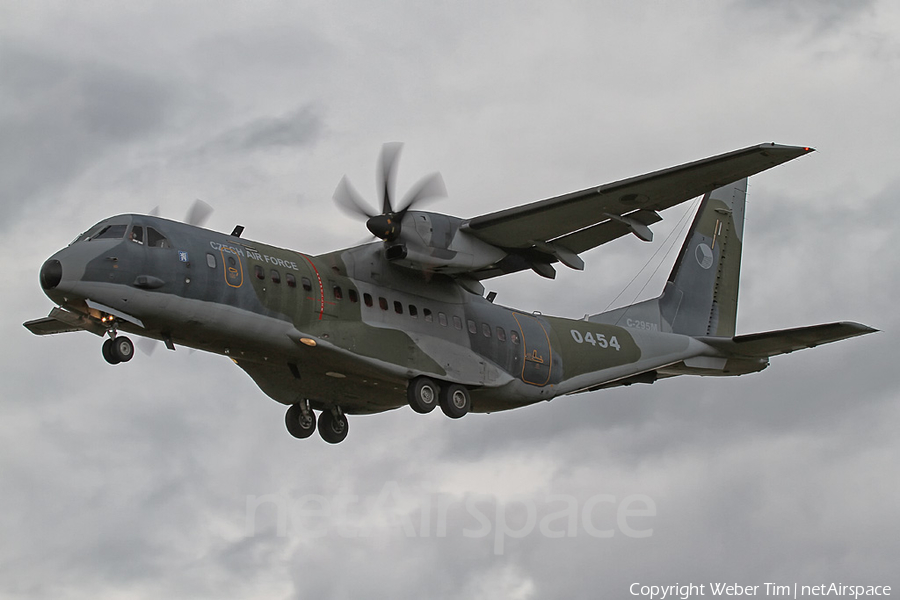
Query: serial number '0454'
596, 340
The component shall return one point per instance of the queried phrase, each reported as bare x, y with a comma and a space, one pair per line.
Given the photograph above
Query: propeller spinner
386, 225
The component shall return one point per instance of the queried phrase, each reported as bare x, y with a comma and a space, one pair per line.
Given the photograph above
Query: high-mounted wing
560, 228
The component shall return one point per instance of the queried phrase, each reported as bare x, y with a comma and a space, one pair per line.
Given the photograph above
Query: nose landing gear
117, 350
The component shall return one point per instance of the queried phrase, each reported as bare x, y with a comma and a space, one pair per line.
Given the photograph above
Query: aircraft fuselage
345, 328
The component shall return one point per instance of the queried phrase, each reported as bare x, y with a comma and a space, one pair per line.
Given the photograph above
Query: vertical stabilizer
701, 294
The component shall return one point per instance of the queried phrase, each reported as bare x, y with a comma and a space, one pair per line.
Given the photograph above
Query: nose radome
51, 274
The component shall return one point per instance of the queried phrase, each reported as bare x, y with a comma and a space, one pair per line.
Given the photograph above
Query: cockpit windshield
111, 232
105, 231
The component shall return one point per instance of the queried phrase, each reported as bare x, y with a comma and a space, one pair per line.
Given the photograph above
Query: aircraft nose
51, 274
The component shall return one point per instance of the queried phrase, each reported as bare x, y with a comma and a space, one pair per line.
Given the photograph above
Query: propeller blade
350, 201
387, 173
199, 212
428, 188
386, 225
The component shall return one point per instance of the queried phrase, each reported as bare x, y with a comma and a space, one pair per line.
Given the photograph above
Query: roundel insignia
704, 255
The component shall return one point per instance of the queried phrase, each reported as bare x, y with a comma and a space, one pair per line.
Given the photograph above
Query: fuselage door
233, 268
538, 358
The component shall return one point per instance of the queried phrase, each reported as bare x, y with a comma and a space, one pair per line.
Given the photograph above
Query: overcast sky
135, 481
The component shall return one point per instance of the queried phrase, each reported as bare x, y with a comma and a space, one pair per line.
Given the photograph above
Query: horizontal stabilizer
773, 343
63, 321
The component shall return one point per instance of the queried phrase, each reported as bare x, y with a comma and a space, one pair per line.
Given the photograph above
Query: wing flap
773, 343
565, 215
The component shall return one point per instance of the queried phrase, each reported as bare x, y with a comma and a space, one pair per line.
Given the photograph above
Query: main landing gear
424, 395
301, 422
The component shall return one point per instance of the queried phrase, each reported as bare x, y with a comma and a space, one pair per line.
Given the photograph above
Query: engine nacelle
434, 242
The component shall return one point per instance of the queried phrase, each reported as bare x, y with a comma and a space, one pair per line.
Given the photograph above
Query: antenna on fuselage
237, 231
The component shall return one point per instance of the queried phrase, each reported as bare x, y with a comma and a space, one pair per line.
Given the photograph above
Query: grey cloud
59, 116
296, 129
817, 15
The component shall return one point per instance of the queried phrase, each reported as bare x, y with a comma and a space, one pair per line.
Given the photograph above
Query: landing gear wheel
108, 353
422, 395
332, 426
299, 425
455, 400
122, 348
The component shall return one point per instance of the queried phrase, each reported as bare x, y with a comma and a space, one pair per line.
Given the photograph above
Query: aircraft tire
122, 348
332, 429
422, 394
108, 352
296, 425
455, 400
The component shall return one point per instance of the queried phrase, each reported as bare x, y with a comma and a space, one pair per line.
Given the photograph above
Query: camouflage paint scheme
352, 328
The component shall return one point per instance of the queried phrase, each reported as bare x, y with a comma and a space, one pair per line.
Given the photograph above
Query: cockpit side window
111, 232
137, 234
156, 240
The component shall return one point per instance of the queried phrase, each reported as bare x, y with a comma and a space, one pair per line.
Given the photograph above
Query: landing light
308, 342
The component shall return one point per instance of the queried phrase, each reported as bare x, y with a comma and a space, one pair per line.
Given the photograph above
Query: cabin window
354, 296
338, 293
307, 284
156, 240
457, 322
426, 312
367, 298
137, 235
486, 330
442, 319
211, 260
260, 272
473, 328
275, 275
514, 336
382, 303
111, 232
501, 334
290, 280
413, 311
398, 307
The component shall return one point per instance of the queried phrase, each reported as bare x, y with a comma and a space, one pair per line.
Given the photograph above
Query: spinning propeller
386, 225
197, 215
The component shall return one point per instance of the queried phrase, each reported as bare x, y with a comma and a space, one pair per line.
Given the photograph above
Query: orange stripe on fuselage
321, 287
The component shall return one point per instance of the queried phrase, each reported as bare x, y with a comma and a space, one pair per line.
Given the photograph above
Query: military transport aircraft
405, 320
